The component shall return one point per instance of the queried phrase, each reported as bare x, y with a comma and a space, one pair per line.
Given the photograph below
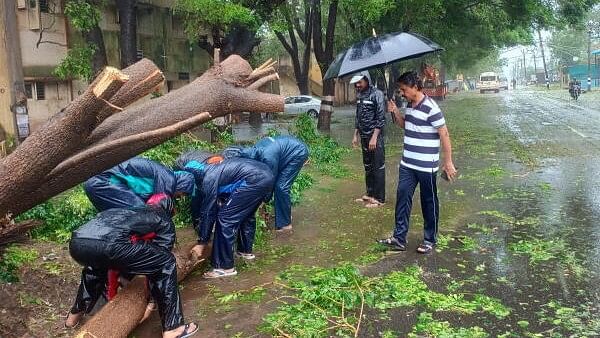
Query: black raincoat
109, 241
370, 115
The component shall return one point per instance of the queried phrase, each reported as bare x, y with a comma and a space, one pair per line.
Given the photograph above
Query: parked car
295, 105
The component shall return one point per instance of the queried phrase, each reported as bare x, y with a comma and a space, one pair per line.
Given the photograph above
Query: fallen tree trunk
112, 138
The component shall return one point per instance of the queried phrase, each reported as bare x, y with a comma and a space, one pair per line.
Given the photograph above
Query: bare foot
285, 229
73, 320
373, 203
183, 331
197, 251
363, 199
151, 307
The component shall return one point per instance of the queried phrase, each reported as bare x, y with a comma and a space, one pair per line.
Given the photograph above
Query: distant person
425, 128
114, 240
368, 133
136, 182
230, 193
514, 83
285, 156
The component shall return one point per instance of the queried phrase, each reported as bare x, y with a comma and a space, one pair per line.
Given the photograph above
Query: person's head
361, 81
233, 151
410, 86
185, 183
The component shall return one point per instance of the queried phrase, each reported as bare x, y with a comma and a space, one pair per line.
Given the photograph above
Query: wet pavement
521, 225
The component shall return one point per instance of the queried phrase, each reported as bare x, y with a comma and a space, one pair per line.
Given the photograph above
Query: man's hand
450, 170
373, 143
355, 141
392, 108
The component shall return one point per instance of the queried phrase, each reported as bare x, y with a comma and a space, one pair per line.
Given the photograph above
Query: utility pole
524, 66
544, 59
589, 79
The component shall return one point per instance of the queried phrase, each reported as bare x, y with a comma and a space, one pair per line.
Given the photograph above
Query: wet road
528, 202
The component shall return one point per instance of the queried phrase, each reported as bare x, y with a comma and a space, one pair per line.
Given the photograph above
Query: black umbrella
380, 51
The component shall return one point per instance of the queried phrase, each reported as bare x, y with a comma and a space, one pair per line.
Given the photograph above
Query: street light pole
544, 59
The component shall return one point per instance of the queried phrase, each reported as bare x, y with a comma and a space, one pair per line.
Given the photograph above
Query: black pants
374, 162
141, 258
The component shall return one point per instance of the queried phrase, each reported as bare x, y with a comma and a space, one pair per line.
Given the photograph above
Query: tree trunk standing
128, 24
301, 63
324, 55
324, 123
94, 38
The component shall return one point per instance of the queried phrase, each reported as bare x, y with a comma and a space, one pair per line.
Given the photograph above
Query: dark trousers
106, 193
141, 258
283, 184
237, 216
374, 162
407, 183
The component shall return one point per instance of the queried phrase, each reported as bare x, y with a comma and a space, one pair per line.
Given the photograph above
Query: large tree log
224, 89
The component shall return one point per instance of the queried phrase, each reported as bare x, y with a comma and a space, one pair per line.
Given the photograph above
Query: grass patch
541, 250
580, 321
429, 327
13, 258
333, 301
527, 221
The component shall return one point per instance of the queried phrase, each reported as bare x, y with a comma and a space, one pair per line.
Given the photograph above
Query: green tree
88, 59
232, 26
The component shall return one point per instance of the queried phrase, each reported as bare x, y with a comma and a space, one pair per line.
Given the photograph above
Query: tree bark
324, 121
83, 142
128, 37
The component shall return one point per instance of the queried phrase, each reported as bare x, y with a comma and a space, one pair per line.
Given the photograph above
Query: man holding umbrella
369, 123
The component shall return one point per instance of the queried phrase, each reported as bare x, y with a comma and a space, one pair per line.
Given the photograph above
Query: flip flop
425, 248
392, 243
246, 256
219, 273
187, 333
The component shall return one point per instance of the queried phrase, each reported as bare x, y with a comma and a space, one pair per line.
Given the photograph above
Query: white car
295, 105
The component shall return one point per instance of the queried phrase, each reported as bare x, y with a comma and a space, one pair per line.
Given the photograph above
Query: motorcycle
575, 91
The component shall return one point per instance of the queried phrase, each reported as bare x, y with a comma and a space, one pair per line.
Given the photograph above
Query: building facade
44, 36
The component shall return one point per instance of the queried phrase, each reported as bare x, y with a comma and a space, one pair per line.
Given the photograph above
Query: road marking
575, 131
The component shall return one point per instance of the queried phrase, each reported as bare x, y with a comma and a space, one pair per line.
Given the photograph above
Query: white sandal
219, 273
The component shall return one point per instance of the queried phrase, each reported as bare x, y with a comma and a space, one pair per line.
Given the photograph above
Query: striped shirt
421, 137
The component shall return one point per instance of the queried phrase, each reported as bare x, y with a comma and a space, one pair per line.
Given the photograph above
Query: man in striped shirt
425, 130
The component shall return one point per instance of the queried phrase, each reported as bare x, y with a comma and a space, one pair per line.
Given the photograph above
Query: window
184, 76
44, 6
303, 99
289, 100
29, 90
488, 78
40, 91
140, 54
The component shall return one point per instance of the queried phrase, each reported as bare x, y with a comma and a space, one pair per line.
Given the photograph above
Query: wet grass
14, 258
334, 301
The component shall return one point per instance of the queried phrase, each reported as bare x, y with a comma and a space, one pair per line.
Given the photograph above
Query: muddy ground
520, 225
